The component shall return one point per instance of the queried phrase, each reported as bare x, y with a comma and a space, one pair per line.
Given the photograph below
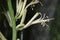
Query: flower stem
11, 12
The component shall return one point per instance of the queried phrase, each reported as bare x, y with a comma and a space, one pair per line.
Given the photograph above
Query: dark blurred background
35, 32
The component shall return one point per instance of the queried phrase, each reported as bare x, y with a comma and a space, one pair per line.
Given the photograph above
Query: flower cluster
21, 10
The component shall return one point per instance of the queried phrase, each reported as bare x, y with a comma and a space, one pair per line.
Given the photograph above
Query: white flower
21, 12
42, 20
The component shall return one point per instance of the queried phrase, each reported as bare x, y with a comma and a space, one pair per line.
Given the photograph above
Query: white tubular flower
19, 6
20, 9
22, 13
42, 20
29, 23
32, 3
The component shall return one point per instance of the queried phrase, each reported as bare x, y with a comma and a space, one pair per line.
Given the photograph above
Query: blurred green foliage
55, 28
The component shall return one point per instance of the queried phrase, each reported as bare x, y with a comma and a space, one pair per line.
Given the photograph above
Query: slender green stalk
11, 12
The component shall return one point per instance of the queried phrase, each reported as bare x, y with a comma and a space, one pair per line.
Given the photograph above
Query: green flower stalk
13, 22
